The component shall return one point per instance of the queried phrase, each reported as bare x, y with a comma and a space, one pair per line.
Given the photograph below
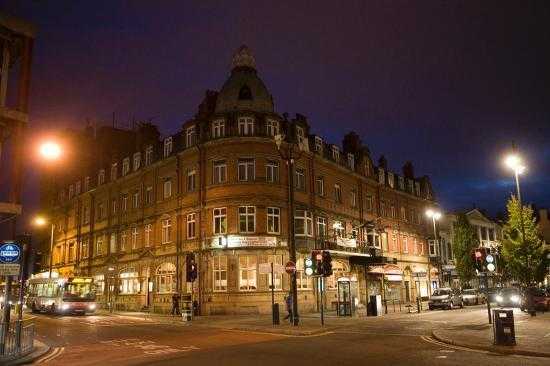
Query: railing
11, 347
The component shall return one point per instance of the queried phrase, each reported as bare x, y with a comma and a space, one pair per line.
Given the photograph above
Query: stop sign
290, 267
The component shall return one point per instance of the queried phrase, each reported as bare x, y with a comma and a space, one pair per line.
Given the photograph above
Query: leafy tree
464, 241
521, 245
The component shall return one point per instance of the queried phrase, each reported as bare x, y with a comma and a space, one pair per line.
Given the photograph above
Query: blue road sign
10, 252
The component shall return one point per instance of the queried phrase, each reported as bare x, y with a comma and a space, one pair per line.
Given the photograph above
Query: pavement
532, 335
40, 349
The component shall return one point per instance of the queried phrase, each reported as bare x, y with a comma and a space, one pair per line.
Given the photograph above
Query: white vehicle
69, 295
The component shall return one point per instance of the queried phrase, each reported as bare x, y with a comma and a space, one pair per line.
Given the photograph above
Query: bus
61, 295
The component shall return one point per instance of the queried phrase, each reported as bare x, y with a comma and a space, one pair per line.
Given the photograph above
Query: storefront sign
346, 242
9, 269
233, 241
394, 277
420, 274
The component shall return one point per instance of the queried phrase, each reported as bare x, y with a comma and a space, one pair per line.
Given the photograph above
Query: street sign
11, 269
9, 253
290, 267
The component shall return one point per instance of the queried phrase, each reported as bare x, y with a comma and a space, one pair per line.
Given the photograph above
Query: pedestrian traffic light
317, 257
478, 257
326, 263
310, 265
191, 267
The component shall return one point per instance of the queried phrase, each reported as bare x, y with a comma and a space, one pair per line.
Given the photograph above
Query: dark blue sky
448, 85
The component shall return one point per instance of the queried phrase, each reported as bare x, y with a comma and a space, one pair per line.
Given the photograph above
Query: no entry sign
290, 267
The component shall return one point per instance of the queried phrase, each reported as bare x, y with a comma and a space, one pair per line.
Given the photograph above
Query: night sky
449, 85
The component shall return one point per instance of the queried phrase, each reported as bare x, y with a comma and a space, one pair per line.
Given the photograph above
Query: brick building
135, 207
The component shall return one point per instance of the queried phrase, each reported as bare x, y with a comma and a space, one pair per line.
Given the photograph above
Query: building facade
489, 234
137, 209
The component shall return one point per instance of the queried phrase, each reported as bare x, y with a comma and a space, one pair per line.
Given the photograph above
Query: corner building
134, 211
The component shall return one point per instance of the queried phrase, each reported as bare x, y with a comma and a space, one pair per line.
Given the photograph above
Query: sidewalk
532, 336
40, 349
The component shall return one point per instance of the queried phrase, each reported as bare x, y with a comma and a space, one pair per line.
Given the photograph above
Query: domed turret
244, 90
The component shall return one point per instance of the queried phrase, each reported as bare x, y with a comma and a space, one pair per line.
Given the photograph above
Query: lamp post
289, 157
41, 221
435, 215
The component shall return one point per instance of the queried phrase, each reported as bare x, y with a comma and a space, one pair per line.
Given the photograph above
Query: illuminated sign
235, 241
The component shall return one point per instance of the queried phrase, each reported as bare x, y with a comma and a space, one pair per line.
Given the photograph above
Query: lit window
166, 231
246, 126
321, 227
273, 220
167, 146
149, 155
191, 222
303, 223
219, 266
137, 161
166, 278
125, 166
123, 241
247, 272
318, 144
218, 128
246, 170
129, 282
373, 239
247, 219
272, 171
191, 175
339, 229
302, 280
278, 277
403, 214
99, 245
167, 188
135, 199
220, 220
272, 127
338, 193
219, 172
190, 136
84, 248
124, 203
135, 237
147, 234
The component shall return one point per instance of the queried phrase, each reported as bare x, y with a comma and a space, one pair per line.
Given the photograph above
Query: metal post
51, 251
6, 315
291, 244
321, 286
488, 300
19, 307
273, 297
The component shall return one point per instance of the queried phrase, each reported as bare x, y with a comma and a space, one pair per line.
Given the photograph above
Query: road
110, 340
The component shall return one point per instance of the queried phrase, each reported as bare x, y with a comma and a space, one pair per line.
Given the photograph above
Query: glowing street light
514, 162
50, 150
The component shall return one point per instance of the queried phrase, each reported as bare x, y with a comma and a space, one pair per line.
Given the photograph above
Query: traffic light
478, 257
310, 265
317, 257
490, 261
191, 267
326, 263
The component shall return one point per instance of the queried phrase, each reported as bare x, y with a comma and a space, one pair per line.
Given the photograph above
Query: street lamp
435, 215
50, 150
514, 162
42, 221
289, 157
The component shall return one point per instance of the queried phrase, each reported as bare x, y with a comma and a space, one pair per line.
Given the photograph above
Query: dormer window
401, 182
149, 155
245, 93
318, 144
218, 128
246, 126
391, 180
167, 146
190, 136
125, 166
335, 153
272, 127
351, 161
137, 161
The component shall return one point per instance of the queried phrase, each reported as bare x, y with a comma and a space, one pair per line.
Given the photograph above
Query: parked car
472, 297
509, 297
445, 298
541, 299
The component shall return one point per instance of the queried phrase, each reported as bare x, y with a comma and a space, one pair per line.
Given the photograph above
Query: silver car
445, 298
472, 297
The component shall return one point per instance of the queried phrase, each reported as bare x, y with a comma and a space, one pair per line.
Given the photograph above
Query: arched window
339, 269
166, 278
245, 93
129, 281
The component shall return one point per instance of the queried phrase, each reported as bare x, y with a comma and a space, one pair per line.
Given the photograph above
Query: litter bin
503, 328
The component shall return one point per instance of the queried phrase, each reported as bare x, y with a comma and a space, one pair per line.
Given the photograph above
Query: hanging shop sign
346, 242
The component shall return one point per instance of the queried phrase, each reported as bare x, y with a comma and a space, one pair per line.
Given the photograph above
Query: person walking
288, 302
176, 304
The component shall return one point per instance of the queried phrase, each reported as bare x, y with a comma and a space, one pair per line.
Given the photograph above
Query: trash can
276, 314
503, 328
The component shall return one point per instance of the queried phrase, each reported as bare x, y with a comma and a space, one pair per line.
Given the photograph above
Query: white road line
56, 353
438, 343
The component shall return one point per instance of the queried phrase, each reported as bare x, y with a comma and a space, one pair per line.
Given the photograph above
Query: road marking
442, 344
149, 347
50, 356
441, 356
278, 334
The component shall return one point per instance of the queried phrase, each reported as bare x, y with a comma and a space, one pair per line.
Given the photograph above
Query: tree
464, 241
521, 245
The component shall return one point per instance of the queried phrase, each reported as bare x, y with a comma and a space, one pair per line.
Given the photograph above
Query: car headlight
91, 306
65, 307
499, 298
445, 300
514, 298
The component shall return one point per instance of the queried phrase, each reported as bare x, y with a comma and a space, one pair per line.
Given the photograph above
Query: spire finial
243, 57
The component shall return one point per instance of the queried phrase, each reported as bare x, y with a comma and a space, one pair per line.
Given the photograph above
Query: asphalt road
108, 340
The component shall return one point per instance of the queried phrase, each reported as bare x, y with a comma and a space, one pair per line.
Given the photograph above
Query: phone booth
347, 296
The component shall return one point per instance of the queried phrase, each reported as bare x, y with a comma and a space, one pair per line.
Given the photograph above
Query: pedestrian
176, 304
288, 302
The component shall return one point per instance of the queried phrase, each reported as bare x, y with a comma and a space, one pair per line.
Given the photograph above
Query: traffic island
531, 337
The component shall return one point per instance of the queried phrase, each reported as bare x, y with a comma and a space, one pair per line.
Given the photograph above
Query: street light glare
432, 214
40, 221
513, 162
429, 213
50, 150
